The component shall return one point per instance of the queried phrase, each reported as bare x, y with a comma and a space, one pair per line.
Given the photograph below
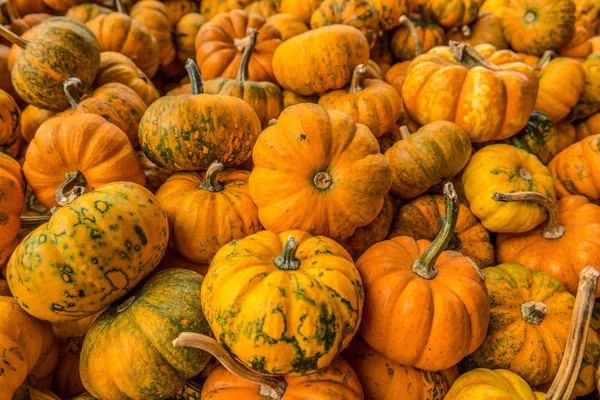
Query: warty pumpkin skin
221, 42
57, 49
487, 28
206, 211
303, 9
310, 166
189, 131
451, 14
9, 124
504, 168
12, 201
384, 379
85, 143
210, 8
589, 102
435, 152
356, 13
185, 35
311, 298
288, 25
428, 34
27, 347
371, 102
410, 315
91, 252
533, 26
86, 12
153, 15
146, 322
480, 383
318, 60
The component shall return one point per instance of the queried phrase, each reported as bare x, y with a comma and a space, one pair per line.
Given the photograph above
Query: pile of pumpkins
299, 199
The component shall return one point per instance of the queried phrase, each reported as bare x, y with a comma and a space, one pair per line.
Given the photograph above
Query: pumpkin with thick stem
412, 39
86, 12
207, 211
9, 125
185, 35
487, 28
288, 25
409, 315
356, 13
435, 152
318, 60
529, 327
311, 299
83, 147
455, 13
264, 97
220, 44
67, 382
589, 102
119, 32
389, 12
32, 118
384, 379
94, 250
118, 68
153, 15
200, 128
504, 168
55, 50
302, 9
489, 101
371, 102
317, 159
12, 201
211, 8
561, 247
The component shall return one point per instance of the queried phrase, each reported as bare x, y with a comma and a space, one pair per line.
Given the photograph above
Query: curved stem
119, 6
287, 260
534, 312
404, 132
424, 266
404, 20
357, 76
466, 31
12, 37
211, 182
546, 58
469, 57
242, 75
28, 222
73, 187
195, 78
271, 387
70, 88
553, 229
568, 372
125, 305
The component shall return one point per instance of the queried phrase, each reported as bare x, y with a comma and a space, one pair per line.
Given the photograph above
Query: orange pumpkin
455, 13
154, 16
9, 125
86, 11
177, 9
577, 44
303, 9
211, 8
32, 118
589, 102
396, 75
185, 35
266, 8
589, 127
412, 39
288, 25
12, 201
487, 28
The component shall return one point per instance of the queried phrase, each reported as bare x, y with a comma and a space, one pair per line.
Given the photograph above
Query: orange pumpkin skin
9, 124
384, 379
21, 25
303, 9
291, 99
561, 83
154, 16
577, 44
221, 41
589, 127
389, 12
336, 381
573, 169
210, 8
487, 28
173, 259
185, 34
318, 60
155, 175
5, 83
396, 75
589, 103
595, 41
454, 13
288, 25
430, 35
177, 9
86, 11
32, 118
266, 8
12, 201
86, 143
335, 162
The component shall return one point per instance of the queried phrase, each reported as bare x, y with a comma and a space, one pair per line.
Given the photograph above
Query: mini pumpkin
303, 9
12, 201
356, 13
9, 125
451, 14
154, 16
210, 8
185, 35
411, 39
288, 25
487, 28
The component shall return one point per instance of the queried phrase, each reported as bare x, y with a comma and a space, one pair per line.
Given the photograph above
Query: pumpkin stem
73, 186
287, 260
29, 222
12, 37
568, 372
322, 180
272, 121
424, 266
242, 75
469, 57
195, 78
404, 20
270, 386
553, 229
466, 31
357, 76
211, 183
125, 305
70, 88
534, 312
404, 132
546, 58
120, 7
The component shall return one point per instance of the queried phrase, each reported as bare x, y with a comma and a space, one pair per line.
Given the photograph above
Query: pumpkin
409, 315
454, 13
371, 102
177, 9
119, 32
207, 126
155, 175
589, 102
435, 152
317, 159
154, 16
529, 325
421, 220
291, 99
384, 379
487, 28
67, 382
86, 12
221, 42
489, 101
288, 25
185, 35
505, 169
32, 118
211, 8
55, 50
302, 9
266, 8
573, 169
381, 52
115, 102
85, 148
561, 84
12, 201
318, 60
534, 26
396, 75
5, 83
589, 127
28, 347
92, 252
9, 125
577, 44
21, 25
412, 39
24, 7
356, 13
389, 12
307, 324
264, 97
116, 67
567, 135
595, 41
481, 383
